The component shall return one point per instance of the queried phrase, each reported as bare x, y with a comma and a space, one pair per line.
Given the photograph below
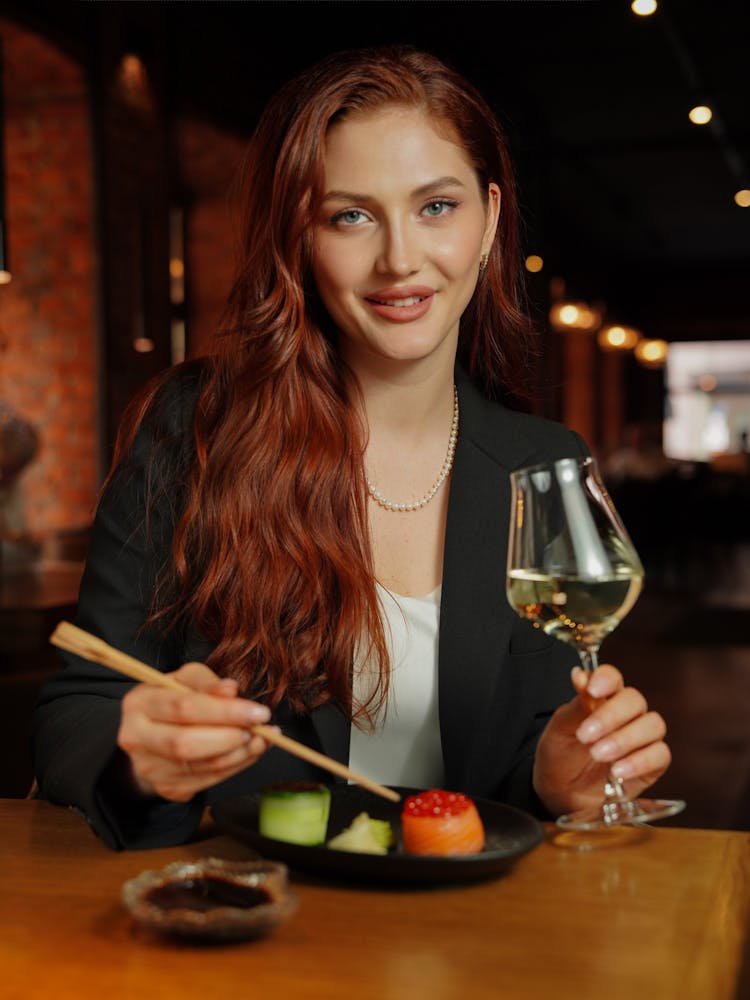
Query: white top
405, 747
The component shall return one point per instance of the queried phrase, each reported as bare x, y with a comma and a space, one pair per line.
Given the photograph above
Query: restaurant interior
122, 127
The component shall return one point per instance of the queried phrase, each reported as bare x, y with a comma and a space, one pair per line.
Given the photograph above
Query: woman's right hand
182, 742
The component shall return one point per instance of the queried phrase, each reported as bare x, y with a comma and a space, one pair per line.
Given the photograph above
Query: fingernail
603, 751
624, 769
596, 688
257, 713
589, 730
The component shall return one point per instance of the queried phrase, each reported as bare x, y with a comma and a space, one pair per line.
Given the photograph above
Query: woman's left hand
580, 746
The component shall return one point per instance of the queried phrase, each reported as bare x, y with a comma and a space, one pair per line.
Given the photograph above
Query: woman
310, 525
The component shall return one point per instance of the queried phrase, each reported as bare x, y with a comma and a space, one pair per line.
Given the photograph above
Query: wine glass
574, 572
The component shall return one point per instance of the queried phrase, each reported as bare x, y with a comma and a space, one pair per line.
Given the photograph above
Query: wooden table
662, 917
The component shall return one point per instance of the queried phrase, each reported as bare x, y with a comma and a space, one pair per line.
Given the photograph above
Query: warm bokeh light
742, 198
574, 316
651, 353
177, 341
132, 71
5, 277
701, 114
176, 257
534, 263
643, 7
707, 383
569, 315
143, 345
133, 83
618, 338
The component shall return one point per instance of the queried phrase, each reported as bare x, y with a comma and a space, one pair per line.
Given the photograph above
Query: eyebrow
425, 189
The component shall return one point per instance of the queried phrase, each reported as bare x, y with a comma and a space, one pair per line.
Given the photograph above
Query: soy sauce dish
212, 899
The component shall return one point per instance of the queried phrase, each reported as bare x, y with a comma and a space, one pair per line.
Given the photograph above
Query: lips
401, 305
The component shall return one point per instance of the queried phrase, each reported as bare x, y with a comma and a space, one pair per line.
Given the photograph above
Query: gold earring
483, 262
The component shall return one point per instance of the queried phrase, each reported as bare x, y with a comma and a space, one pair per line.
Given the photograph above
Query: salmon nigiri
442, 823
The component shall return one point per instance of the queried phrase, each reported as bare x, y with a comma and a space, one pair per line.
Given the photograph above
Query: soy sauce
206, 893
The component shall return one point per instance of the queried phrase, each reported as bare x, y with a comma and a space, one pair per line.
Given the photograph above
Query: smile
401, 308
399, 303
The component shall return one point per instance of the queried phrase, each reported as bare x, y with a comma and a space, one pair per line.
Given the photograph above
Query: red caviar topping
441, 823
436, 802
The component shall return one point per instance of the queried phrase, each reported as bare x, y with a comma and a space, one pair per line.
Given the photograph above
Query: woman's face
399, 236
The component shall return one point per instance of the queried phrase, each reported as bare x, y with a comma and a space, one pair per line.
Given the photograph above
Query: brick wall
54, 371
48, 329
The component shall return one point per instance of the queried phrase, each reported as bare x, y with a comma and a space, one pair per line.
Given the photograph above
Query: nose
400, 253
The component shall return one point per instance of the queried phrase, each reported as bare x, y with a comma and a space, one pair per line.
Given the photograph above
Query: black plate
510, 833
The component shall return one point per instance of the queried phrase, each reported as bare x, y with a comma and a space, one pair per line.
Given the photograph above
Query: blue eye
349, 217
438, 207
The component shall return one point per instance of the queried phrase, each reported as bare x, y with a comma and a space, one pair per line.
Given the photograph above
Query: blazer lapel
475, 617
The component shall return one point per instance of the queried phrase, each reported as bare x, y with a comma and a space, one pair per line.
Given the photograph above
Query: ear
493, 215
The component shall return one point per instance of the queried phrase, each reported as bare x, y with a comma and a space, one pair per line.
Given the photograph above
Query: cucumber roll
295, 811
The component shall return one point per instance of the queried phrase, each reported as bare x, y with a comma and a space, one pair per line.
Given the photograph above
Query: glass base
628, 812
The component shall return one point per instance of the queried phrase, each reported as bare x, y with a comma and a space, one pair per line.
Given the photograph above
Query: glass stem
616, 806
589, 657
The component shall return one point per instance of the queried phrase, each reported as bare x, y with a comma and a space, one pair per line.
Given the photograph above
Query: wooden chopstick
90, 647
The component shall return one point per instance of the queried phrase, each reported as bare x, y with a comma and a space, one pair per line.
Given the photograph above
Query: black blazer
499, 678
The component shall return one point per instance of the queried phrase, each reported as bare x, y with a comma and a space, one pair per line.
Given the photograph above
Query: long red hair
271, 557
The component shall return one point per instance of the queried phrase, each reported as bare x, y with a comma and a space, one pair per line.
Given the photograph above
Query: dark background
622, 195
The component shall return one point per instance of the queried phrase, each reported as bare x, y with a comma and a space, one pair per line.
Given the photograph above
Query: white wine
575, 610
573, 572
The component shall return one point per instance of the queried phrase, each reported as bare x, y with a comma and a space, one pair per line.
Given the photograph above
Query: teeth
411, 301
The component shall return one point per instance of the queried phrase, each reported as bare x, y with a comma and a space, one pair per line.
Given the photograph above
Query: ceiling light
618, 338
574, 316
701, 114
742, 198
643, 7
651, 353
534, 263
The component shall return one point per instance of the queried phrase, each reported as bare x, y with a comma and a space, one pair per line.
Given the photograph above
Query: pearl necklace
378, 497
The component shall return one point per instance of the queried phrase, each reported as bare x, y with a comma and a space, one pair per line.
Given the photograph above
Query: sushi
295, 811
440, 822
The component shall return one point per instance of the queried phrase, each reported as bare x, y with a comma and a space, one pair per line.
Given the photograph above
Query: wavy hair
270, 557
